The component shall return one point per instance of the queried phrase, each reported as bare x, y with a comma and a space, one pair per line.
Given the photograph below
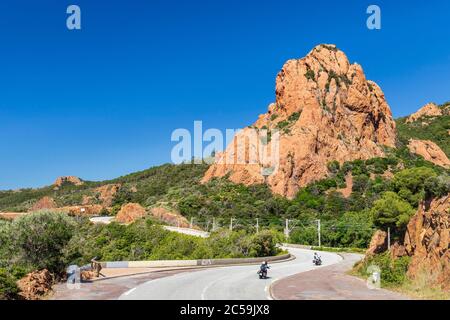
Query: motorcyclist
316, 258
263, 268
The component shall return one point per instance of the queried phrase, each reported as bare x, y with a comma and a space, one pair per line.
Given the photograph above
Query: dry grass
424, 287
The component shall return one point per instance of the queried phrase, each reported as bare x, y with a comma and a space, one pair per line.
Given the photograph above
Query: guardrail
191, 263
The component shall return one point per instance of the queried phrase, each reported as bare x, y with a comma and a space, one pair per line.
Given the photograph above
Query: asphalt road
226, 283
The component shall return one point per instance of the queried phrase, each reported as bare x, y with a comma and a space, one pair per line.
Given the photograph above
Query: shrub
310, 75
264, 244
39, 238
8, 286
392, 271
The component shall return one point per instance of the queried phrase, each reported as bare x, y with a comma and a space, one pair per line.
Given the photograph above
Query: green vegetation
145, 187
285, 125
392, 271
49, 240
310, 75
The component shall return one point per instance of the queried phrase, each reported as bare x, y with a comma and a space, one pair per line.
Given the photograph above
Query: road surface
188, 231
330, 283
226, 283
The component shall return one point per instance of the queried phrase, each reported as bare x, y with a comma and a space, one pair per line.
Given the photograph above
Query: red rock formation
172, 218
430, 109
430, 151
427, 241
326, 110
130, 212
35, 285
44, 203
107, 192
69, 179
378, 243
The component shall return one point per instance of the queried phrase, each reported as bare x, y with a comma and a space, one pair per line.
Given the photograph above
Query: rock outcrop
130, 212
427, 241
430, 110
325, 110
44, 203
103, 194
69, 179
171, 218
430, 151
378, 243
106, 193
35, 285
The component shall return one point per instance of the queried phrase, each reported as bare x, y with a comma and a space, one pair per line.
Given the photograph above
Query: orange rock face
430, 109
325, 110
44, 203
430, 151
107, 193
169, 217
427, 241
378, 243
35, 285
69, 179
130, 212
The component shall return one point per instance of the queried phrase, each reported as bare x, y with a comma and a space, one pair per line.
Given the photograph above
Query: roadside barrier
191, 263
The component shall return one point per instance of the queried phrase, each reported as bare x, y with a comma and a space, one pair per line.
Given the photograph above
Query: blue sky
102, 101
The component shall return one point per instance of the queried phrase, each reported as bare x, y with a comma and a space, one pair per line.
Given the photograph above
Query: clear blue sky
103, 101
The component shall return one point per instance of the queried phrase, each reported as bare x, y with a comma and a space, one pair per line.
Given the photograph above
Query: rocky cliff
325, 109
430, 151
427, 241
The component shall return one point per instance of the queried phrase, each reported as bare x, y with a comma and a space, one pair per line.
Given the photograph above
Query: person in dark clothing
263, 269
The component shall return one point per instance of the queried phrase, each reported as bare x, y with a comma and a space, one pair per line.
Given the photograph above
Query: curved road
226, 283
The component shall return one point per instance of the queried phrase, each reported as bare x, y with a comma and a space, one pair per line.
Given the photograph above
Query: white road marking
203, 294
130, 291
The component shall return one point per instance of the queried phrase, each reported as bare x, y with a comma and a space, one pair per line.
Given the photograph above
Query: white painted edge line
129, 291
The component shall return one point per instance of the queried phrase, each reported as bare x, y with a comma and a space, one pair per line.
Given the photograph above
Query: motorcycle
317, 261
262, 274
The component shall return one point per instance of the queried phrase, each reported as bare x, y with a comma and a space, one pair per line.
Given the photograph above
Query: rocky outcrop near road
35, 285
169, 217
325, 109
130, 212
427, 241
378, 243
430, 151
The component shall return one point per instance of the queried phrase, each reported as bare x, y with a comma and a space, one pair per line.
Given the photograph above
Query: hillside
145, 187
426, 126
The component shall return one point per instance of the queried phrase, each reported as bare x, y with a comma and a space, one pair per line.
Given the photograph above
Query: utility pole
257, 225
286, 229
318, 232
192, 223
389, 238
231, 224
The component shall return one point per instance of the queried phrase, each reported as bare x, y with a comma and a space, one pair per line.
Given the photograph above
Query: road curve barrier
192, 263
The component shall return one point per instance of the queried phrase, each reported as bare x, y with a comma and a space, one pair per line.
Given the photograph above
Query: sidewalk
330, 283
